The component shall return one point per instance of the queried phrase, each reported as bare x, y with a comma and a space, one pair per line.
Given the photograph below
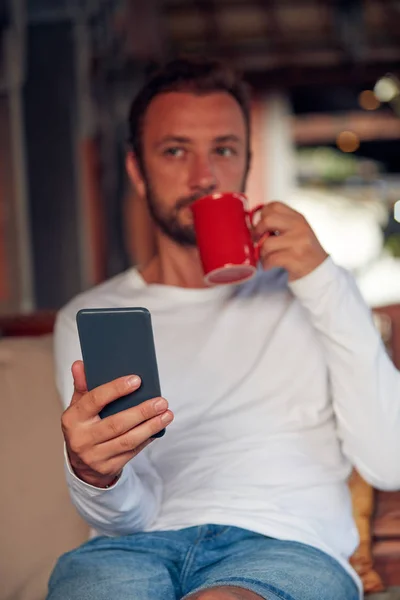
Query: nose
202, 175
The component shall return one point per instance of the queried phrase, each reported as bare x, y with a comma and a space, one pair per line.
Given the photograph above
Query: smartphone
117, 342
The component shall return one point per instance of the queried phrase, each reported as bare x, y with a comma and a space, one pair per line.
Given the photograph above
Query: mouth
186, 205
187, 215
187, 202
184, 209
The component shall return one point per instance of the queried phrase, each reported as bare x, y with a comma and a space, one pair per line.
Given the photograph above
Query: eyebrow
223, 139
177, 139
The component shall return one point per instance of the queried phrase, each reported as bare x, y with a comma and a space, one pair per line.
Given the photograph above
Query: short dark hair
197, 75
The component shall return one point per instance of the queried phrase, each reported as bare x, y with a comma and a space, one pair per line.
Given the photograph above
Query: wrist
88, 475
98, 481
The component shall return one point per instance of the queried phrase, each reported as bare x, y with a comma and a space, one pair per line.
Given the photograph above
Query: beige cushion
38, 521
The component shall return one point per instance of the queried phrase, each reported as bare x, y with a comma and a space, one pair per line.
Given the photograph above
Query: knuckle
93, 397
126, 443
85, 458
159, 424
77, 445
146, 410
94, 434
77, 441
65, 420
120, 387
275, 205
303, 221
154, 426
90, 459
264, 216
114, 427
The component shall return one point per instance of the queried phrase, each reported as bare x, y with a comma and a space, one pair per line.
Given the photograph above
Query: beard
168, 220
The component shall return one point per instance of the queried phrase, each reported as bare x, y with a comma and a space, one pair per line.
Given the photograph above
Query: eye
174, 151
225, 151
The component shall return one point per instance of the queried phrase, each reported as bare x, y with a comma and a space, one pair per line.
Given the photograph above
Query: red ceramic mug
223, 223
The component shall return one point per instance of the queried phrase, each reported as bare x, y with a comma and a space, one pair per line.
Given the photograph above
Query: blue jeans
169, 565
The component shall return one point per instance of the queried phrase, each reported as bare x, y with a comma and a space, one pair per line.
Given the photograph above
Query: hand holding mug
294, 248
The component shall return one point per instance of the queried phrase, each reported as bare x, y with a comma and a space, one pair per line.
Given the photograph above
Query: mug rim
251, 274
218, 195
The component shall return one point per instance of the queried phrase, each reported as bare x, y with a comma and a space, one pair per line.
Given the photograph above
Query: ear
135, 174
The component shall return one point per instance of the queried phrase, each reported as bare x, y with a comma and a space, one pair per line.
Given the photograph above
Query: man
276, 387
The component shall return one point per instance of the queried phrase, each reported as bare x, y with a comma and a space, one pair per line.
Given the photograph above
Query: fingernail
167, 417
134, 381
161, 405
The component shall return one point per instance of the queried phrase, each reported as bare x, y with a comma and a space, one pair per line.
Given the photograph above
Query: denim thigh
171, 565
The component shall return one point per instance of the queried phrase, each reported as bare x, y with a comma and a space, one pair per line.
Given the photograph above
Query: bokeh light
396, 211
348, 141
387, 88
368, 101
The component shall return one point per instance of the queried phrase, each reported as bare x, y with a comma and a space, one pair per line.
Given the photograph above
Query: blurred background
325, 86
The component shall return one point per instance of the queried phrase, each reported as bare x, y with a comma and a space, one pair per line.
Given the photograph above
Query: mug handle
257, 245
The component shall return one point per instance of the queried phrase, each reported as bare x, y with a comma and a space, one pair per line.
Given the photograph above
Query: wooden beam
342, 74
323, 129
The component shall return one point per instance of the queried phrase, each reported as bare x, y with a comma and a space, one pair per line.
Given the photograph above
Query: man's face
193, 145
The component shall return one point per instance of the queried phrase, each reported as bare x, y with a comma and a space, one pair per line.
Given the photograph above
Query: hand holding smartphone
117, 342
113, 414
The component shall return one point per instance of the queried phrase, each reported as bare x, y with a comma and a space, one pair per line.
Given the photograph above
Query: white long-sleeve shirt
277, 390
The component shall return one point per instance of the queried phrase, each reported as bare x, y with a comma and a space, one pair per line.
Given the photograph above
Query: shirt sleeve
365, 385
133, 502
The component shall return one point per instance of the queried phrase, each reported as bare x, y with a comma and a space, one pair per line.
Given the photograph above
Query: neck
174, 265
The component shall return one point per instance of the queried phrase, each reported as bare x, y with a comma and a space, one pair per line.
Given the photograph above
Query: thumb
80, 386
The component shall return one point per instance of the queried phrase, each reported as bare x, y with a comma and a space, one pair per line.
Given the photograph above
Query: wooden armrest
39, 323
386, 536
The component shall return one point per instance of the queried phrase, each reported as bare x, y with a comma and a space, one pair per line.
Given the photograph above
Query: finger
118, 424
136, 436
117, 463
126, 456
79, 377
91, 403
281, 258
271, 222
280, 211
276, 243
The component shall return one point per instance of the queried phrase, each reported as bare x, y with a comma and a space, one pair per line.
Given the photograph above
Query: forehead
191, 115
